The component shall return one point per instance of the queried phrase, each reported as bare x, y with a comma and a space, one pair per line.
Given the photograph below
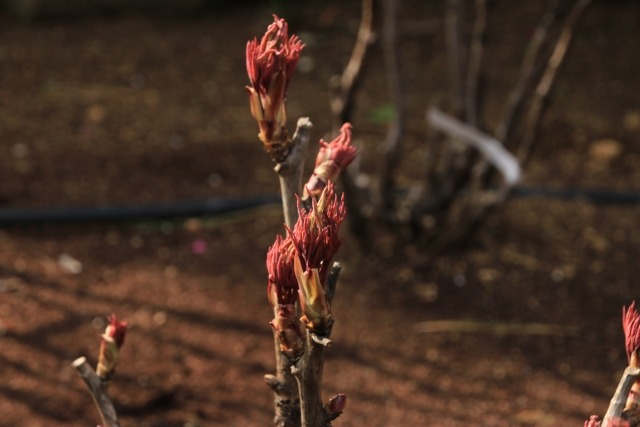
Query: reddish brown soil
133, 109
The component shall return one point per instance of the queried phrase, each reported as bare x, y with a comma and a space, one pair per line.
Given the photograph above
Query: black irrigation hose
184, 209
594, 196
213, 207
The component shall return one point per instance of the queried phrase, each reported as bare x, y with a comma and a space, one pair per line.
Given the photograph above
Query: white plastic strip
490, 147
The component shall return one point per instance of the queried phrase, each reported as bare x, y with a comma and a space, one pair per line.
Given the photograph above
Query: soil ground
135, 108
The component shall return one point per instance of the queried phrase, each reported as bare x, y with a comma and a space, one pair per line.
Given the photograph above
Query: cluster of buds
270, 66
333, 157
298, 266
316, 240
112, 341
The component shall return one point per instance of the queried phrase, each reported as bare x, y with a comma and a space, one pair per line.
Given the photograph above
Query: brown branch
534, 57
344, 86
98, 389
290, 171
530, 63
343, 90
619, 398
548, 78
308, 370
475, 60
451, 165
284, 386
456, 53
396, 127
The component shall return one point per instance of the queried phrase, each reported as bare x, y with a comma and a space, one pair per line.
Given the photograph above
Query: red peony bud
112, 341
282, 285
270, 66
631, 328
336, 406
315, 234
332, 159
315, 239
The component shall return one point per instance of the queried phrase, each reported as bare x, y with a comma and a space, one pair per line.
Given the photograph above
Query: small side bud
112, 341
333, 157
335, 406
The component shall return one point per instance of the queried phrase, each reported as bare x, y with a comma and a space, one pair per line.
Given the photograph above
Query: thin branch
475, 60
344, 86
453, 157
548, 78
332, 280
284, 386
530, 63
290, 171
533, 60
453, 25
97, 388
619, 399
396, 127
343, 92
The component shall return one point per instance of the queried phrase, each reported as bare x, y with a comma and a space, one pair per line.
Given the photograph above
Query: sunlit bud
270, 66
336, 406
287, 328
316, 314
282, 286
315, 235
332, 159
631, 328
112, 341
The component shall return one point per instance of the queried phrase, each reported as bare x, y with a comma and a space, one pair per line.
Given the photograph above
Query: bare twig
344, 86
396, 127
332, 280
453, 157
290, 171
475, 61
97, 388
456, 53
343, 91
619, 399
544, 86
532, 57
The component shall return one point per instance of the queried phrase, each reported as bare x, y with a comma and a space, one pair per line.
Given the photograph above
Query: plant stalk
283, 384
97, 388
